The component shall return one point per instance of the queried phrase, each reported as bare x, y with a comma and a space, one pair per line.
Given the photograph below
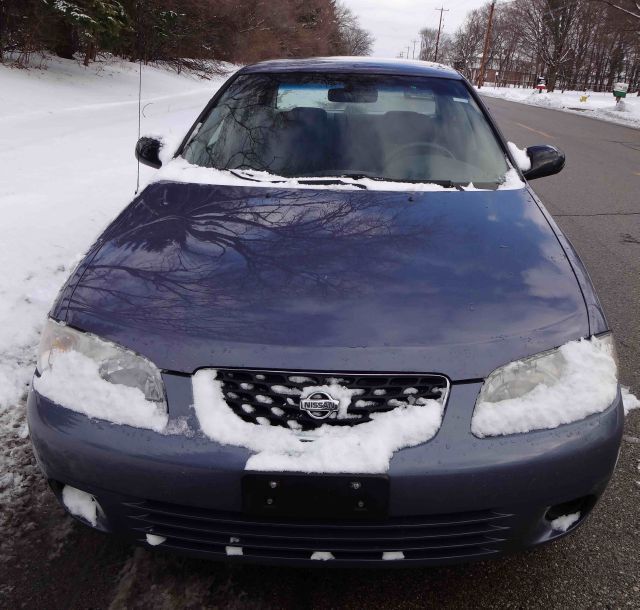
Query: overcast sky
395, 23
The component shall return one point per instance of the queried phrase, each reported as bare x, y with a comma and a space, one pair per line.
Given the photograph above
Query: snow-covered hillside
598, 105
67, 135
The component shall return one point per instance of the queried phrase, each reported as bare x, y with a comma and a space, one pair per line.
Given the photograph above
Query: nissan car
337, 327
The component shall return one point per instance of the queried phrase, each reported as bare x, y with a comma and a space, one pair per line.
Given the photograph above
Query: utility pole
442, 10
413, 56
485, 52
408, 47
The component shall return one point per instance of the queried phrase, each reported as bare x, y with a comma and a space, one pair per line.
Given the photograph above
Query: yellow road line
542, 133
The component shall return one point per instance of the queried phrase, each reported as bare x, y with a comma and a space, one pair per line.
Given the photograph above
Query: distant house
495, 77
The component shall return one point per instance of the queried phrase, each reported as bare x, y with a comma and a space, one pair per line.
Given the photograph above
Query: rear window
412, 98
415, 129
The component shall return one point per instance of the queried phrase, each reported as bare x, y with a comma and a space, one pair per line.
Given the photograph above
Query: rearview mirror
354, 95
148, 152
545, 161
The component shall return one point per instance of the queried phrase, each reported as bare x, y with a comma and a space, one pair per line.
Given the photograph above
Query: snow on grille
273, 397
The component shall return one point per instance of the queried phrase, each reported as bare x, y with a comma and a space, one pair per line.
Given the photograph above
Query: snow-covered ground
67, 135
599, 105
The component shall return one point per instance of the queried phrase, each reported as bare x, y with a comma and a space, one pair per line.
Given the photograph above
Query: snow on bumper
454, 471
496, 492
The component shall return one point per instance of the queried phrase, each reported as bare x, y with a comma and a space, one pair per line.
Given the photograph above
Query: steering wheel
406, 150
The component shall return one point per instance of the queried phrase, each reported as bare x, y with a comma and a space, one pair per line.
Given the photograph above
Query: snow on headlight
558, 387
86, 374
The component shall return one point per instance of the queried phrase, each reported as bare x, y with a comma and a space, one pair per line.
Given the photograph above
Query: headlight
549, 389
87, 374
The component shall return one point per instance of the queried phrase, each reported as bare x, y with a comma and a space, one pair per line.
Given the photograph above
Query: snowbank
67, 167
64, 86
598, 105
68, 134
365, 448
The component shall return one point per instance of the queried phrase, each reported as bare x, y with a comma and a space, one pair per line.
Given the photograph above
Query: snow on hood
180, 170
365, 448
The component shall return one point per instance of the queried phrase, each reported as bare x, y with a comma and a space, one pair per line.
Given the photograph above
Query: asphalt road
56, 563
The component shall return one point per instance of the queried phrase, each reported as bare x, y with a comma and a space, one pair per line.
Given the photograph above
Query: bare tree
546, 27
352, 39
631, 8
428, 38
467, 41
181, 33
577, 44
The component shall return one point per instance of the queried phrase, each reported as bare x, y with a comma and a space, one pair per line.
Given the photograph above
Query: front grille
433, 537
272, 397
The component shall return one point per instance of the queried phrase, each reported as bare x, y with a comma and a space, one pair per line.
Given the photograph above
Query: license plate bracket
305, 496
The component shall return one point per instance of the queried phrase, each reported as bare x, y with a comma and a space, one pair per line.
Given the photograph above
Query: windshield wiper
252, 179
447, 184
361, 176
329, 182
443, 183
338, 180
321, 181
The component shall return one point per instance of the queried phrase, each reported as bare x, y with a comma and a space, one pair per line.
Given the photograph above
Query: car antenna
139, 120
139, 93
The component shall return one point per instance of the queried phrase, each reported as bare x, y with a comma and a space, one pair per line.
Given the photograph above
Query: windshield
402, 128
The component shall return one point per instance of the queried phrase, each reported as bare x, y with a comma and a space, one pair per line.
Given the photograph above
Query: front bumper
454, 498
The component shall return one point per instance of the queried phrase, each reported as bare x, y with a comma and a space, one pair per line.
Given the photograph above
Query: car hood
194, 275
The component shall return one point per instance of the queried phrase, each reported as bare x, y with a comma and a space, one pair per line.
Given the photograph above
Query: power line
442, 10
487, 38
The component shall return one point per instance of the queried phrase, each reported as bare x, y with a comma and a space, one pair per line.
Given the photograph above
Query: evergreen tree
97, 24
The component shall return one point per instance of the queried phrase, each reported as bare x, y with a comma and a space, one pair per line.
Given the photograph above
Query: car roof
371, 65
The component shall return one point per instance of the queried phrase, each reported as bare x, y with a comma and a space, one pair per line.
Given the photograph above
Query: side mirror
545, 161
147, 152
